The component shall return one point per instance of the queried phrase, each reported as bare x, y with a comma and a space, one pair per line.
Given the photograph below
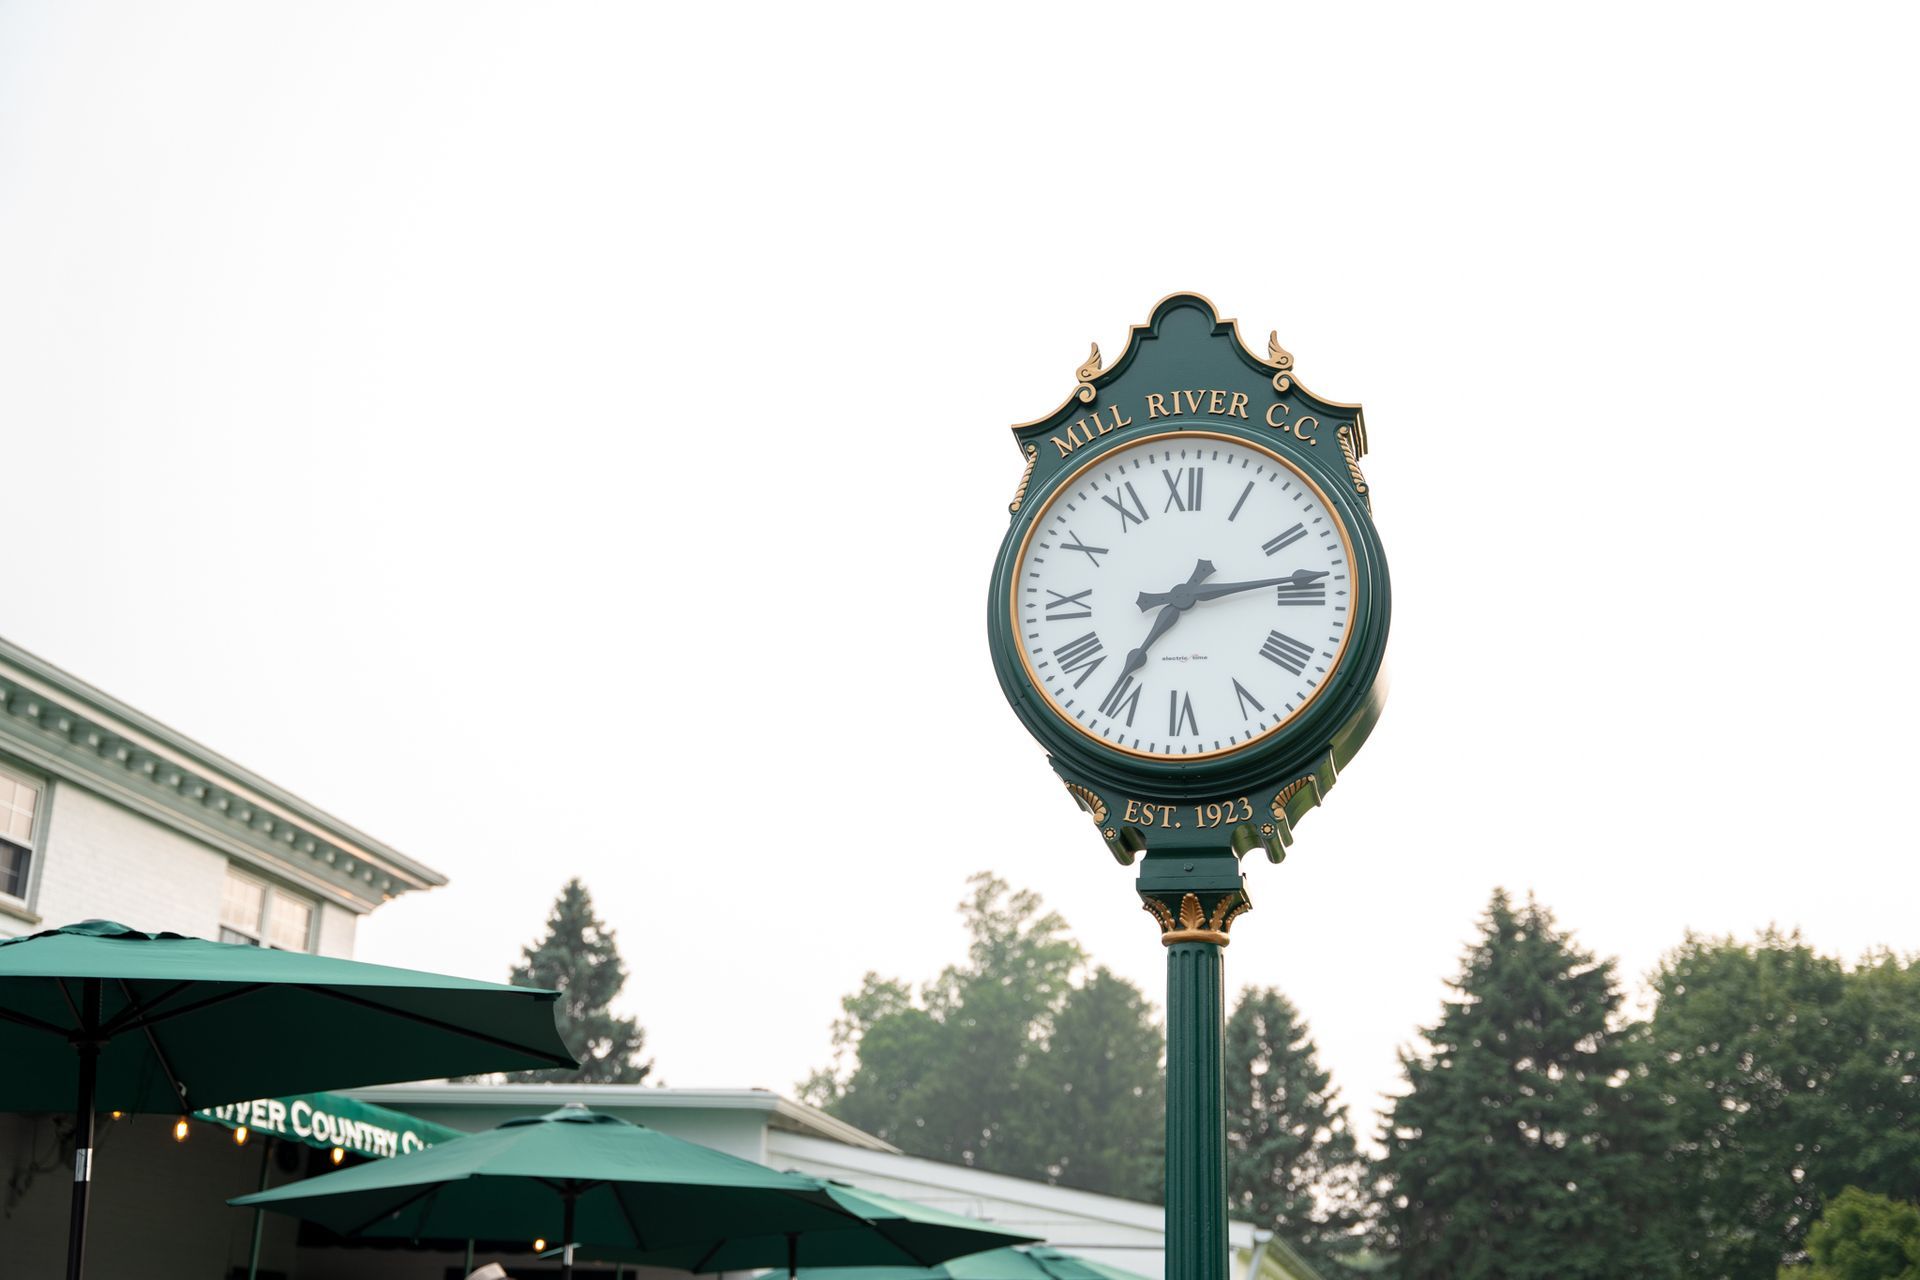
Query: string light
240, 1136
116, 1114
180, 1129
540, 1245
339, 1154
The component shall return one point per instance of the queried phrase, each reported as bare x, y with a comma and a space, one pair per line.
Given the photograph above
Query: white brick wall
336, 931
104, 862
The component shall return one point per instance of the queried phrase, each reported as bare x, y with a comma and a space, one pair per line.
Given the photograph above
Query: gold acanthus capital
1189, 920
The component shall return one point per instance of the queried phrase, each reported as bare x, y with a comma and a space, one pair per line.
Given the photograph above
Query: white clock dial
1184, 596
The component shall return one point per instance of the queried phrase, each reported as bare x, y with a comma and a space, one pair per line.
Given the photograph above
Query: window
255, 914
19, 806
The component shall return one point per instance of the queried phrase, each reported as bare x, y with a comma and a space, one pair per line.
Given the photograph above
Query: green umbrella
904, 1234
579, 1178
101, 1017
1035, 1262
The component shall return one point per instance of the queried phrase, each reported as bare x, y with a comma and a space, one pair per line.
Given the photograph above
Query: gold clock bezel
1033, 524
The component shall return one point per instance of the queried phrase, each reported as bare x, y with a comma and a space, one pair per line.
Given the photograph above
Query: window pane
241, 903
13, 869
236, 937
292, 922
20, 827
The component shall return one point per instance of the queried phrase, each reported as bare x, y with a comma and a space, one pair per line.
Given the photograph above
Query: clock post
1190, 614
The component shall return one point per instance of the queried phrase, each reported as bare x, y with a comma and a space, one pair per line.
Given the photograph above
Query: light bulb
116, 1114
240, 1136
540, 1245
339, 1154
180, 1129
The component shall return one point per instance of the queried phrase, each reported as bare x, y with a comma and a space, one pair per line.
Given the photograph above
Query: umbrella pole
88, 1047
793, 1255
253, 1254
566, 1245
468, 1269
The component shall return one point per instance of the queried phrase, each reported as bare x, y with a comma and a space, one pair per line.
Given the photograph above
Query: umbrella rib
639, 1240
393, 1210
437, 1024
160, 1055
28, 1020
143, 1014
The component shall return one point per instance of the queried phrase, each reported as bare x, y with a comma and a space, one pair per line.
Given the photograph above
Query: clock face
1185, 596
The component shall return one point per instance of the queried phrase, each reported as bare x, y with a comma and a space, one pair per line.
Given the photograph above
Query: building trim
66, 728
783, 1113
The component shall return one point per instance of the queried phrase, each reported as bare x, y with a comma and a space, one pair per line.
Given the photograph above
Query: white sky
571, 441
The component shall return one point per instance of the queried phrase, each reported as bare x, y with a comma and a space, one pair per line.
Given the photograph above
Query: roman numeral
1063, 606
1240, 692
1286, 651
1083, 655
1298, 590
1125, 695
1093, 553
1240, 502
1172, 478
1126, 515
1274, 546
1180, 711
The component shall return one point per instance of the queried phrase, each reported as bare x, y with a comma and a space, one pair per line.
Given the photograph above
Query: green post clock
1190, 613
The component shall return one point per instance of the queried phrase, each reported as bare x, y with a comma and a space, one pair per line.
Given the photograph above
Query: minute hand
1213, 591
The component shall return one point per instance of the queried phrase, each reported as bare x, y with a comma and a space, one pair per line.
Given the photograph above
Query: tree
1003, 1062
1862, 1236
578, 959
1094, 1101
1291, 1161
1529, 1142
1791, 1078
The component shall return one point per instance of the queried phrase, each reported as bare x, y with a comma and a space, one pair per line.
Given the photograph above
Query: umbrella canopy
183, 1023
97, 1016
903, 1234
580, 1178
1036, 1262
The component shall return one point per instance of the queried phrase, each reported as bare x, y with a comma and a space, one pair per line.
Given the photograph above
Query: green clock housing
1190, 609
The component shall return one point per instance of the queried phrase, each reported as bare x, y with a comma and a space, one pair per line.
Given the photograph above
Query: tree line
1762, 1122
1541, 1130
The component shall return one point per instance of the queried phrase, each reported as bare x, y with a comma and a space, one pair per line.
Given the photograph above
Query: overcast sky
571, 440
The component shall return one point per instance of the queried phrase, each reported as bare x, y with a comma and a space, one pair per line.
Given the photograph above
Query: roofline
783, 1112
98, 727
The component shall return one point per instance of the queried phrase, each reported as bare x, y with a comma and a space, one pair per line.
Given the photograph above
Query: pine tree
578, 959
1292, 1165
1530, 1142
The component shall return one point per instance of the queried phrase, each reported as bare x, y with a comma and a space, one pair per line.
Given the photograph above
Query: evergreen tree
1792, 1078
578, 959
1292, 1165
1529, 1142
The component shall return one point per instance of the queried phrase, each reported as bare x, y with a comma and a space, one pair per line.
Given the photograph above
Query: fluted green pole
1195, 897
1196, 1115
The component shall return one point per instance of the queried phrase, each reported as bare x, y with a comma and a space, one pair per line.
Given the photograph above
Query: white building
108, 814
105, 813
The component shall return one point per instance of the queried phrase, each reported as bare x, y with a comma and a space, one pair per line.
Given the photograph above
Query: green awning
331, 1120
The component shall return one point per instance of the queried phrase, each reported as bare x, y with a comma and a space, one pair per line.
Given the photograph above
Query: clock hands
1185, 596
1161, 625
